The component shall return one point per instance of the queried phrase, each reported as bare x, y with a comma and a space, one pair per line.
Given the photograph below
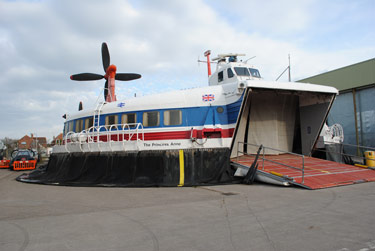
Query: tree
9, 145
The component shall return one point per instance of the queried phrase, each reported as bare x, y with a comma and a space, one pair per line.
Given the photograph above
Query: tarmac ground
225, 217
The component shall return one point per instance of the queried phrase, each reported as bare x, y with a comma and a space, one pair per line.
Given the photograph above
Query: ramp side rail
302, 168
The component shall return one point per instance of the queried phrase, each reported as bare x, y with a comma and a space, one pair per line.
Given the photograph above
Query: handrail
82, 135
68, 136
332, 142
122, 133
345, 154
277, 150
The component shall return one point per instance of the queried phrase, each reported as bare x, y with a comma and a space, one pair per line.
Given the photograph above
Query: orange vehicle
4, 163
23, 160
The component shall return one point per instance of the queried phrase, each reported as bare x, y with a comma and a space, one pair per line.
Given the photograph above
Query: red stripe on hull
172, 135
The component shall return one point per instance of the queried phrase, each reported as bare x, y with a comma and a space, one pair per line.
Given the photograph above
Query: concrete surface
230, 217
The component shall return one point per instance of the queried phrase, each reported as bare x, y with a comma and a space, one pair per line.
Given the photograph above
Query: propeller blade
86, 76
105, 56
127, 76
105, 90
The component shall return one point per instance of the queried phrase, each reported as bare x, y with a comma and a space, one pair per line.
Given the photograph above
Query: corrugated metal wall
349, 77
342, 112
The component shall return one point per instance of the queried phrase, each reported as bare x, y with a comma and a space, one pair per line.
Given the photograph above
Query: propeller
86, 76
106, 64
127, 76
105, 56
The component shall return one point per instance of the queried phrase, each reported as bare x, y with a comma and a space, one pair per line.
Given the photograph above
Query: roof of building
27, 141
57, 138
41, 140
348, 77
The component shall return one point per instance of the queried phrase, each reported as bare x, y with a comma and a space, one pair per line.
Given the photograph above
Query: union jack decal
208, 97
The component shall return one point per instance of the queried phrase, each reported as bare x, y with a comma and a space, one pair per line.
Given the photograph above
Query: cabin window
79, 125
130, 118
230, 73
241, 71
220, 76
254, 72
88, 123
172, 117
111, 120
70, 127
151, 118
66, 128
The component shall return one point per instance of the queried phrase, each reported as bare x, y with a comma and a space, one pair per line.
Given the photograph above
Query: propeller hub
111, 71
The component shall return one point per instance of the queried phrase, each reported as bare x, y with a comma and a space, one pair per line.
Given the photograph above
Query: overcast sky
43, 42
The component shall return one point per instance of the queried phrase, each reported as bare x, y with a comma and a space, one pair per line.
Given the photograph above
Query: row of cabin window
150, 119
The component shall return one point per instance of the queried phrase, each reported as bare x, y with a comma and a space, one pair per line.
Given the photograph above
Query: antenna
287, 68
249, 59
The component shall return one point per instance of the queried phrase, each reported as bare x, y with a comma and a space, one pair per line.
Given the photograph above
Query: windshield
254, 72
24, 153
241, 71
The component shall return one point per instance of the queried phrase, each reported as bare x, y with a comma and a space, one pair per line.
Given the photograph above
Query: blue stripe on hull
193, 116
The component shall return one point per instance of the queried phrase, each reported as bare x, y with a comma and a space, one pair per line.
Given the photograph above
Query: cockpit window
241, 71
254, 72
220, 76
230, 73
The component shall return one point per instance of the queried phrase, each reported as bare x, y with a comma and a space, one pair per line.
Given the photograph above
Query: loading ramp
310, 173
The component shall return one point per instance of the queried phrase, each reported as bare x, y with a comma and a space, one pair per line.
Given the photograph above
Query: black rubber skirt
191, 167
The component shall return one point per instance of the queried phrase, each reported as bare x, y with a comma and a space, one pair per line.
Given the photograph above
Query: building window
111, 120
151, 118
130, 119
230, 73
79, 125
88, 123
220, 76
172, 117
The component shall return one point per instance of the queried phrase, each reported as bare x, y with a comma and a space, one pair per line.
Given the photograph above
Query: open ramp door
288, 123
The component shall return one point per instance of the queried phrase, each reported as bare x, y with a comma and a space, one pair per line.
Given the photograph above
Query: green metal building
354, 107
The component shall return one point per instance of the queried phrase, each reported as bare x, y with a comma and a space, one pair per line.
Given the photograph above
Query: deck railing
105, 135
264, 148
